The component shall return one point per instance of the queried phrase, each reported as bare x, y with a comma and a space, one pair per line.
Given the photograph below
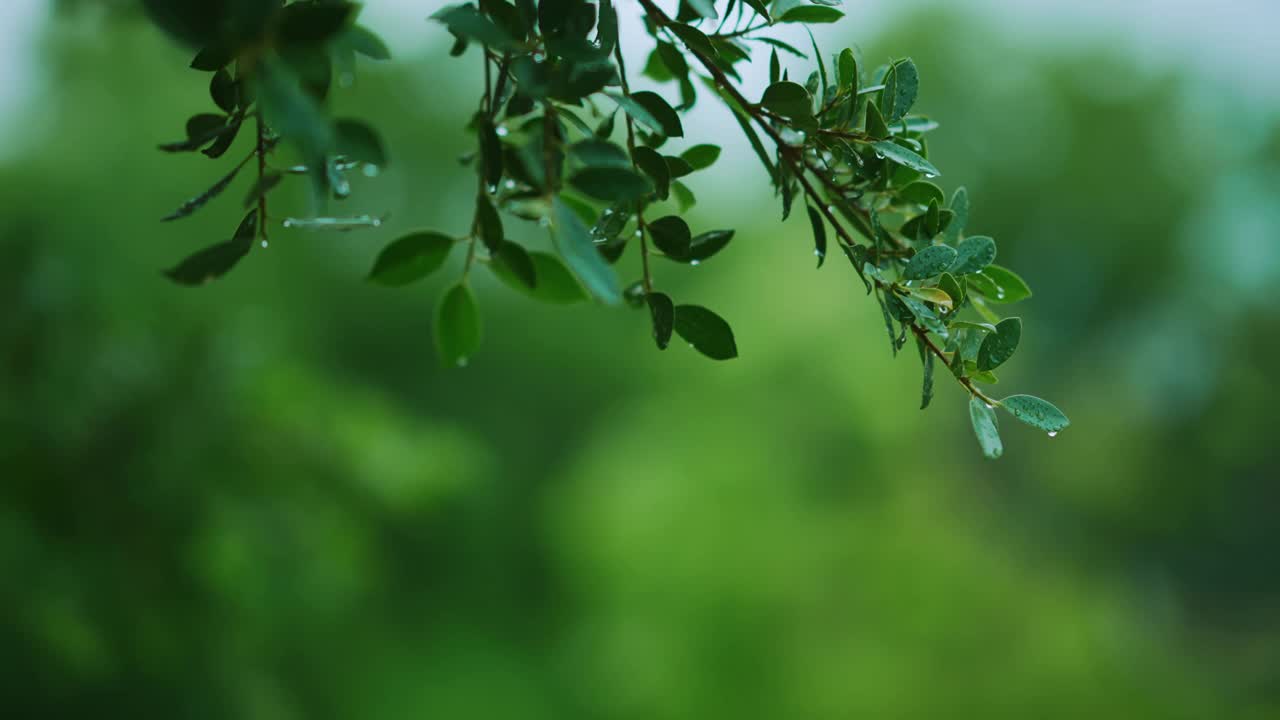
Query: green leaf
960, 206
706, 331
294, 114
819, 235
312, 23
191, 22
973, 254
515, 261
650, 110
788, 99
211, 58
926, 317
876, 126
457, 326
1037, 413
811, 14
215, 261
707, 244
662, 312
929, 262
937, 296
901, 87
489, 223
611, 184
952, 286
554, 282
653, 165
986, 428
574, 242
491, 160
900, 155
671, 235
677, 167
358, 141
701, 157
694, 39
599, 153
199, 201
921, 193
201, 130
1009, 287
926, 359
1000, 345
684, 196
759, 7
466, 21
822, 67
223, 91
847, 70
364, 41
411, 258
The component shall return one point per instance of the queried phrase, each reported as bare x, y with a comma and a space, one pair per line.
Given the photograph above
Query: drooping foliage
563, 141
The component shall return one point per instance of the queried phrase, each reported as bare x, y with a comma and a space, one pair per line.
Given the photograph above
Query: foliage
845, 143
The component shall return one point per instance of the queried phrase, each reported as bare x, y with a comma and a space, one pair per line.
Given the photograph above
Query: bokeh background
263, 499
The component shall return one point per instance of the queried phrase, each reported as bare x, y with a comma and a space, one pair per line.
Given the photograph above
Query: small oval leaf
929, 262
1036, 413
411, 258
706, 331
457, 326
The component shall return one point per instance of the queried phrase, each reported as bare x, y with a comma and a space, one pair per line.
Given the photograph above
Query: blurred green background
263, 499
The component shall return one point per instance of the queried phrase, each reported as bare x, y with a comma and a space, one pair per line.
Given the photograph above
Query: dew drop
1053, 433
695, 263
637, 233
990, 406
288, 223
501, 131
493, 189
930, 175
371, 170
1000, 294
264, 243
509, 184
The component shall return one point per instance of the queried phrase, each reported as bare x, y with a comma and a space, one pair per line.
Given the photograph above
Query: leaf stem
646, 275
261, 152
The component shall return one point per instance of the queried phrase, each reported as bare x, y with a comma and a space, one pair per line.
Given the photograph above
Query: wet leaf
986, 428
902, 156
819, 235
215, 261
1000, 345
973, 254
706, 331
411, 258
929, 262
1036, 412
662, 313
457, 329
573, 239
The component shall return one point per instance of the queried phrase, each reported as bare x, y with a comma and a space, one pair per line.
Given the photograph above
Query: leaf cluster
563, 142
